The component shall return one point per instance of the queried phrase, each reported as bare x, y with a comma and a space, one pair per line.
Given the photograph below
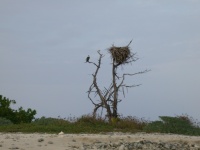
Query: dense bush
50, 121
24, 116
4, 121
15, 116
177, 125
131, 122
89, 119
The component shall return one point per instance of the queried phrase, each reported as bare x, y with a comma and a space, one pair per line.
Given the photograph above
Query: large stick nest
120, 55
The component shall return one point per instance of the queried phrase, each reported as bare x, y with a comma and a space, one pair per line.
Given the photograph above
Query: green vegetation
15, 116
176, 125
23, 121
4, 121
87, 124
84, 124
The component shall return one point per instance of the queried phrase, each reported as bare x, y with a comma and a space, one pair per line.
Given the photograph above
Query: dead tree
108, 98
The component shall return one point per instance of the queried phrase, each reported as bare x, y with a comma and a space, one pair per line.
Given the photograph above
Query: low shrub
4, 121
176, 125
130, 122
89, 119
50, 121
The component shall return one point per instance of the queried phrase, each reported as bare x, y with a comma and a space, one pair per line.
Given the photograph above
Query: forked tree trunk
108, 97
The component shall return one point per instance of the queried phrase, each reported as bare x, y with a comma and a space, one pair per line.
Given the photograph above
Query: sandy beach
63, 141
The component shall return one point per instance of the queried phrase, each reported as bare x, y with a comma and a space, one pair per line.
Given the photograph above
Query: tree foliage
15, 116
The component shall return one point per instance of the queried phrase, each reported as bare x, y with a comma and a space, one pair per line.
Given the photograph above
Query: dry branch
95, 88
108, 97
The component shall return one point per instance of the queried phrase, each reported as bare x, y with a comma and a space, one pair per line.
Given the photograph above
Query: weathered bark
115, 94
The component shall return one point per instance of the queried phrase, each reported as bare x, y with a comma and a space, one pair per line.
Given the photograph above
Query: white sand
38, 141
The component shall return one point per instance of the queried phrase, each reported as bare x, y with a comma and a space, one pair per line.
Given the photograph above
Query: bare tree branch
129, 43
128, 74
97, 90
108, 97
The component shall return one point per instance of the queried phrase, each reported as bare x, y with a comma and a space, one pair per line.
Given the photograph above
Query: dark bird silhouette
88, 58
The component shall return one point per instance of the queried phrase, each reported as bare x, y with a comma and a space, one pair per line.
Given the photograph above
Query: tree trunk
115, 94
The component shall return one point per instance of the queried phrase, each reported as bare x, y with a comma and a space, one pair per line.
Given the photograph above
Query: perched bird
88, 58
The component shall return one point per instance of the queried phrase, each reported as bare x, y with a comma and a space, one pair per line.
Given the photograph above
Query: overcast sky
43, 46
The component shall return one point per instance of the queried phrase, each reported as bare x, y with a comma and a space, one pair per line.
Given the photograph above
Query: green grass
87, 124
84, 124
